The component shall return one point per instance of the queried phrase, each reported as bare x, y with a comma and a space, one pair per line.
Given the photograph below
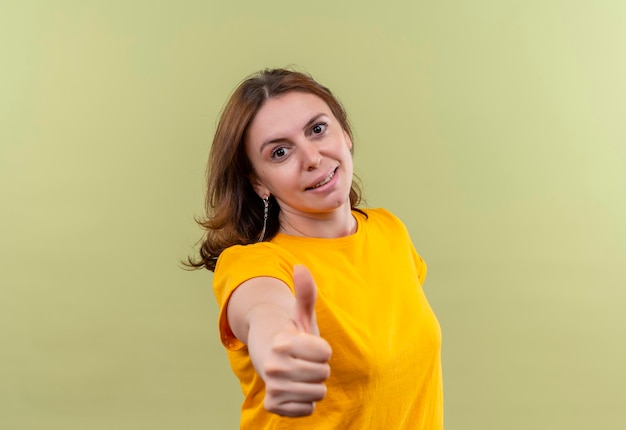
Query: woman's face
300, 155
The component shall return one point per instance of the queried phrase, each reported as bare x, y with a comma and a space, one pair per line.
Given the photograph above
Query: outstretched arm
281, 333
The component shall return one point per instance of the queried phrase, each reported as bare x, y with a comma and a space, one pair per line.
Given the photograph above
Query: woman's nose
312, 157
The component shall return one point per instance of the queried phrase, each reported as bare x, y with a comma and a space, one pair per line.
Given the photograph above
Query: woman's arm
281, 333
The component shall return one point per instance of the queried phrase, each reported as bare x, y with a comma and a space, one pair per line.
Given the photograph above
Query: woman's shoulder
262, 253
382, 216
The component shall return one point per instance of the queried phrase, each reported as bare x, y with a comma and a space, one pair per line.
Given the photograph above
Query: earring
266, 206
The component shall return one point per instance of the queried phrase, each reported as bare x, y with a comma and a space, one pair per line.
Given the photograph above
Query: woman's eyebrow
312, 120
280, 139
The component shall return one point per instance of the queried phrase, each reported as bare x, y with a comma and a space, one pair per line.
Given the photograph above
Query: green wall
494, 129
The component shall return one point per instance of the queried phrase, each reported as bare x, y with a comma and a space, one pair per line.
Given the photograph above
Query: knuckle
270, 405
308, 409
319, 393
326, 372
273, 391
289, 410
273, 367
323, 391
329, 351
282, 341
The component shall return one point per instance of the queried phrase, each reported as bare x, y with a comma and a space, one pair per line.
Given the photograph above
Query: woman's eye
319, 128
279, 153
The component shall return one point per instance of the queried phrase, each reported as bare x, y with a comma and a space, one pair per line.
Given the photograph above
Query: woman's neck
337, 224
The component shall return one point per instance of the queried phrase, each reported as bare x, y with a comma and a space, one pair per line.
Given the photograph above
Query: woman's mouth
323, 181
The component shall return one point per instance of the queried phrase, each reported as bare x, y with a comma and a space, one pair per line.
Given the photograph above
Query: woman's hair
234, 212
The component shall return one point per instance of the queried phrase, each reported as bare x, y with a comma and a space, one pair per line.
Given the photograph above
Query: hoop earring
266, 207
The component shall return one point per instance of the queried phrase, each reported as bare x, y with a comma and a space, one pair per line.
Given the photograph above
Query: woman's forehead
285, 114
288, 102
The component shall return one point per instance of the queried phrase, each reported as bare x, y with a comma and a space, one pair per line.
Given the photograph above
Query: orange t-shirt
386, 340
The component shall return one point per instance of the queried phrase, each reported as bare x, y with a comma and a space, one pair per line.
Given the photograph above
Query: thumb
306, 293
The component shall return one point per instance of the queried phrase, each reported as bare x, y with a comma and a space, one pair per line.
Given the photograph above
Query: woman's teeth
325, 181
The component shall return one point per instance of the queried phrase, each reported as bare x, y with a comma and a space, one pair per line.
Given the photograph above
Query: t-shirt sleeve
420, 266
238, 264
402, 231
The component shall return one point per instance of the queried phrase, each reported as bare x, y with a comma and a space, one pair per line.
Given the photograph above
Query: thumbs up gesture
306, 294
296, 365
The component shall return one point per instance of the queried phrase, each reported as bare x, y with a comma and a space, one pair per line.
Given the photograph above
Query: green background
494, 129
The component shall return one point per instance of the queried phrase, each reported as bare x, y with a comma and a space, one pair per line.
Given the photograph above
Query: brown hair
234, 212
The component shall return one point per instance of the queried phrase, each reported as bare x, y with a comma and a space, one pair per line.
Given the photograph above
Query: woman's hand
296, 366
283, 340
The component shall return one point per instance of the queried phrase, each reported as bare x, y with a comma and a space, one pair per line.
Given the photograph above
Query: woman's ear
348, 140
259, 188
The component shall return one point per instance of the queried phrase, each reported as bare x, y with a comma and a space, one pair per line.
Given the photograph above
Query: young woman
322, 311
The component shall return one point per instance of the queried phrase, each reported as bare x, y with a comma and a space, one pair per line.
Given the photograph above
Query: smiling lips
323, 181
